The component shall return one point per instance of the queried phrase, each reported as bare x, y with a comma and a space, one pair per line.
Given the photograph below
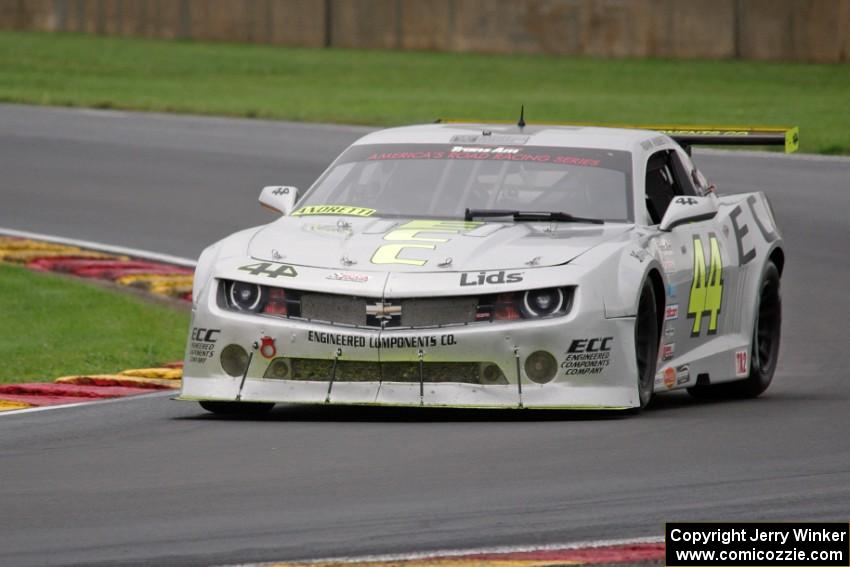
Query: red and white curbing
158, 274
74, 390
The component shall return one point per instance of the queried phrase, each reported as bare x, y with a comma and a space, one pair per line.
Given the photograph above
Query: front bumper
585, 379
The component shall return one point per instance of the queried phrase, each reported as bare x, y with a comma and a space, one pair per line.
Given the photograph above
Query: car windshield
443, 180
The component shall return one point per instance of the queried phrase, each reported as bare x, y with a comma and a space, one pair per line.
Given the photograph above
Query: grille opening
438, 311
320, 370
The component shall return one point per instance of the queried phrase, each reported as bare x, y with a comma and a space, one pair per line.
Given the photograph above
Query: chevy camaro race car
494, 266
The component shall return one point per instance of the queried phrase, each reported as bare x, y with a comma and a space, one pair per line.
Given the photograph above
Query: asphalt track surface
161, 482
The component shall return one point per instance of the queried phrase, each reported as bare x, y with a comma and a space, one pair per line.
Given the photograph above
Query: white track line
88, 403
465, 552
99, 247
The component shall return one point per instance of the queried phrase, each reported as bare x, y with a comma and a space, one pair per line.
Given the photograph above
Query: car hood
410, 245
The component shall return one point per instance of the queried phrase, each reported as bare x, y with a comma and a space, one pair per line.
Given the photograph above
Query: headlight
253, 298
531, 304
245, 296
542, 302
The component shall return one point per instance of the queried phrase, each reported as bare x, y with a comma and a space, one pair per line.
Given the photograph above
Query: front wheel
646, 343
246, 409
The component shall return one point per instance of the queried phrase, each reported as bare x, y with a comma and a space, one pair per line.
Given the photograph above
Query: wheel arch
657, 283
777, 256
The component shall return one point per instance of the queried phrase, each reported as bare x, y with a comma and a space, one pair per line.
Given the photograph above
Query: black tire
764, 348
646, 343
237, 408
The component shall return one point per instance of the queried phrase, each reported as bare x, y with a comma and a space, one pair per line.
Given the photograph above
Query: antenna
521, 122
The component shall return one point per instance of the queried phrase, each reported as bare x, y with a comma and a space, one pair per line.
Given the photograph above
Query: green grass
52, 326
387, 87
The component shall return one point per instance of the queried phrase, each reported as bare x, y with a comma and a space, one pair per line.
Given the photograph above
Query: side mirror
683, 210
279, 198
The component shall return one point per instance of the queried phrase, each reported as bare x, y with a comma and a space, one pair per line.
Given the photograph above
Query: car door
697, 261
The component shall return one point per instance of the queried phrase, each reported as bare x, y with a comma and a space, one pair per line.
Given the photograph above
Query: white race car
494, 266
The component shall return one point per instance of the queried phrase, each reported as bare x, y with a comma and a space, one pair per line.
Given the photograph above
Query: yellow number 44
707, 286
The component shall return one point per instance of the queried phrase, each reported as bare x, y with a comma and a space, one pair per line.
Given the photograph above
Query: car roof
591, 137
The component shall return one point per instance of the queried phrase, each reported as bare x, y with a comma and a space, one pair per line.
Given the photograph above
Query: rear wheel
764, 348
646, 343
237, 408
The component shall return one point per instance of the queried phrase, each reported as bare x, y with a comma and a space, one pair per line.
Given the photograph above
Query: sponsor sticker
683, 374
742, 363
669, 266
386, 341
705, 132
587, 356
672, 312
483, 278
667, 351
478, 150
669, 331
486, 152
741, 230
416, 236
334, 229
333, 210
348, 277
670, 377
202, 344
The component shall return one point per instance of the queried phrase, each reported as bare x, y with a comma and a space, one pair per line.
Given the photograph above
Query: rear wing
688, 136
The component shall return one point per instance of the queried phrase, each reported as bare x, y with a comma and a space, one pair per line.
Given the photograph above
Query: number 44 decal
707, 286
266, 269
